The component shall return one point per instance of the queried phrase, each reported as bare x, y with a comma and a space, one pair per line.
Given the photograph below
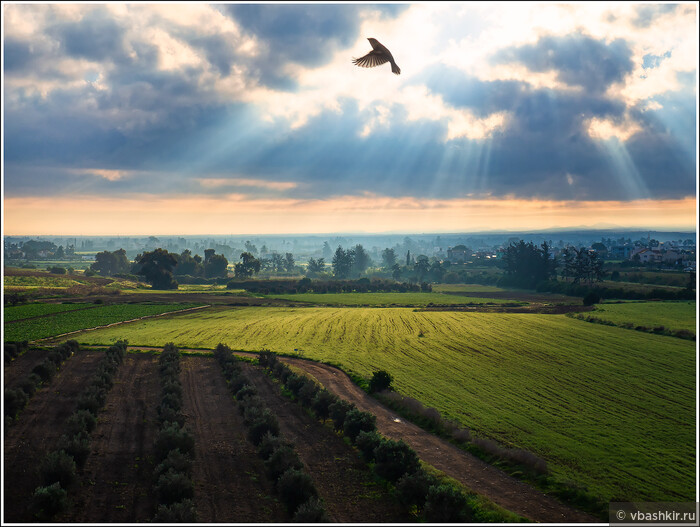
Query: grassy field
387, 299
47, 282
72, 321
608, 408
466, 288
671, 315
35, 310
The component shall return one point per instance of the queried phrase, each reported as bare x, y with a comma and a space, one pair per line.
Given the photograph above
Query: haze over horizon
131, 119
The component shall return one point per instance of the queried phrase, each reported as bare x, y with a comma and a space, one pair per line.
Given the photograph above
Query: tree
315, 267
421, 267
408, 258
327, 251
381, 380
249, 247
396, 272
216, 266
342, 263
60, 253
189, 265
157, 267
111, 263
289, 262
360, 260
248, 266
388, 258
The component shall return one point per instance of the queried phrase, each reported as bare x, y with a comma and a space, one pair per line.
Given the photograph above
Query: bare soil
21, 366
117, 480
229, 478
36, 431
482, 478
343, 480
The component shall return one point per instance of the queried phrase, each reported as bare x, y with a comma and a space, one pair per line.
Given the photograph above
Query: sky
194, 118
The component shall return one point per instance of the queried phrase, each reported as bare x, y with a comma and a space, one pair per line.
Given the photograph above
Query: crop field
64, 322
611, 409
387, 299
466, 288
672, 315
35, 310
49, 281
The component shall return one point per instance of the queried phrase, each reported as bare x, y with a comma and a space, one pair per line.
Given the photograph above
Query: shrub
267, 359
251, 408
29, 385
58, 466
49, 500
366, 442
172, 436
268, 444
167, 414
46, 370
15, 400
55, 357
295, 487
80, 421
282, 372
446, 504
174, 486
357, 421
412, 488
294, 383
172, 388
321, 402
171, 400
338, 410
176, 461
237, 382
311, 511
281, 460
381, 380
393, 459
77, 446
245, 391
308, 392
181, 512
267, 422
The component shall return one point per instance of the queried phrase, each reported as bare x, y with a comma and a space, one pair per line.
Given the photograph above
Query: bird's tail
395, 69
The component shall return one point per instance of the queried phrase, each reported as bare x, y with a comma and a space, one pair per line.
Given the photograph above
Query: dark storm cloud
95, 37
578, 60
17, 55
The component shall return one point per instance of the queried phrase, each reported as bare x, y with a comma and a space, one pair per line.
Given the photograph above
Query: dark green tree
216, 266
248, 266
289, 262
315, 267
111, 263
388, 258
189, 265
157, 267
342, 263
360, 260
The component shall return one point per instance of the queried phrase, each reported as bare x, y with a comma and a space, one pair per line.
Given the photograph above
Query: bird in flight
379, 55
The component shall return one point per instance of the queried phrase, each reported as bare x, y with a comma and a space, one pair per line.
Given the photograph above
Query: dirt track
230, 483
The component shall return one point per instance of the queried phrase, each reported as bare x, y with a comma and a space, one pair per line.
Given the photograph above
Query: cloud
577, 60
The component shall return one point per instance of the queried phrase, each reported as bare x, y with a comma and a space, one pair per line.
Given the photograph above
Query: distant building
458, 254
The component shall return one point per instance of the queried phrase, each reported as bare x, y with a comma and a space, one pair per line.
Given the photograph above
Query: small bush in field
321, 402
176, 461
77, 446
381, 380
80, 421
174, 486
181, 512
281, 460
311, 511
307, 393
445, 504
55, 357
338, 410
295, 487
15, 400
45, 370
266, 423
28, 386
268, 444
167, 414
172, 389
294, 383
267, 359
357, 421
366, 442
251, 408
49, 500
282, 372
237, 382
393, 459
59, 467
412, 489
246, 391
172, 436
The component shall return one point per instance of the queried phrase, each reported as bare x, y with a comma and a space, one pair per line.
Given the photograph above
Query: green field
35, 310
466, 288
671, 315
387, 299
72, 321
608, 408
49, 281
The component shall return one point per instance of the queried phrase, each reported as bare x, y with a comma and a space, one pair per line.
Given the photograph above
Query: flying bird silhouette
378, 56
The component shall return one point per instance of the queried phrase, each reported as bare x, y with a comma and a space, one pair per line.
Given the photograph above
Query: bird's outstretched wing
371, 60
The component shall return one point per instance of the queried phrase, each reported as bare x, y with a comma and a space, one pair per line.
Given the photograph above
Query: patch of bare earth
37, 430
21, 366
229, 478
341, 478
117, 480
